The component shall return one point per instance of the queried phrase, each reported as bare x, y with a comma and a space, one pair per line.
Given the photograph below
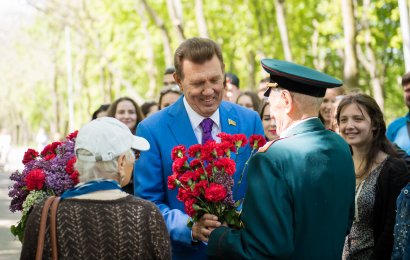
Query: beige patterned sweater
125, 228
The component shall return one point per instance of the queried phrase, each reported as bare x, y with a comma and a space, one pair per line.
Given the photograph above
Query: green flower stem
243, 172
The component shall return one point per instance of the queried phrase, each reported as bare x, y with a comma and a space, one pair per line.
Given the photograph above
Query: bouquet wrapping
48, 173
204, 173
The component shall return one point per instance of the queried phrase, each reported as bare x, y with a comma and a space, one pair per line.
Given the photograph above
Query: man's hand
202, 229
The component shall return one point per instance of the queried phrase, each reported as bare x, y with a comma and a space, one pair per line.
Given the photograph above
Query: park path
9, 246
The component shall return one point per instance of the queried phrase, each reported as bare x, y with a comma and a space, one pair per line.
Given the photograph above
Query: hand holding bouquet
204, 177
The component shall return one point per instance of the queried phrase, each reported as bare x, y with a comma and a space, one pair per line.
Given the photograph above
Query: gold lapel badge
231, 122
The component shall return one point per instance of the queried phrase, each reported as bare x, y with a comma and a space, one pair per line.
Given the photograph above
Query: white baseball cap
107, 138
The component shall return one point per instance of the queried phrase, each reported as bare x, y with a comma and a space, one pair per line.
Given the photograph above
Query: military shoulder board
267, 145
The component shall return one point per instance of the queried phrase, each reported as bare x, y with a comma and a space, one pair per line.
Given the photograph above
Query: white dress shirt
196, 119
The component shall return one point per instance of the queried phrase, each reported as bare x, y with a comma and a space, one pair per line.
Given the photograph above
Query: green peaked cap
298, 78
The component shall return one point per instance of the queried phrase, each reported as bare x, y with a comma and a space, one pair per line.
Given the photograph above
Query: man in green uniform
300, 198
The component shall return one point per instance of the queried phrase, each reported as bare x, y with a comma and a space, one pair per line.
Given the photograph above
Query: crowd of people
331, 183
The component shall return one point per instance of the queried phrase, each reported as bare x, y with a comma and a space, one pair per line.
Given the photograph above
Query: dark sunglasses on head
137, 153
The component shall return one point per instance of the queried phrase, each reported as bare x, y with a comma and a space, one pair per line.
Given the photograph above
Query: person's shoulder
395, 169
397, 122
265, 148
156, 118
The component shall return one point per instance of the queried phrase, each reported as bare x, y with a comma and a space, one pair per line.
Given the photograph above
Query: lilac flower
57, 180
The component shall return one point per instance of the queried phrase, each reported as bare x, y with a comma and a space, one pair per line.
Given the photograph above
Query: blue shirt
398, 134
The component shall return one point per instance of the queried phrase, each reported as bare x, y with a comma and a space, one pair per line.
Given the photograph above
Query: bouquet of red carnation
204, 177
50, 172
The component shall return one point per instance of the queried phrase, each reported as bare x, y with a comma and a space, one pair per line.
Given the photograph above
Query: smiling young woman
380, 175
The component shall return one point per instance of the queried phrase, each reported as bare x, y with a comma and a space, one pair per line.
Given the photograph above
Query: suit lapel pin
231, 122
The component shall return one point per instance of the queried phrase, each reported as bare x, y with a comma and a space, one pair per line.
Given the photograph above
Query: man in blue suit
200, 75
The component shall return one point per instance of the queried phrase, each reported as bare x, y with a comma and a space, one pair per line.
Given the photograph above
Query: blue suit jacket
166, 129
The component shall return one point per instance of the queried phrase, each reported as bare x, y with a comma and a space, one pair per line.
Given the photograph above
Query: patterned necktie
206, 125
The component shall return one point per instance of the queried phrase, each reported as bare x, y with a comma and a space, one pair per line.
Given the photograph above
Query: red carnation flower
200, 187
74, 177
72, 135
173, 181
35, 179
69, 168
29, 155
49, 157
209, 151
195, 163
189, 176
195, 151
49, 152
257, 141
180, 165
225, 137
239, 140
227, 164
227, 148
178, 152
208, 170
183, 194
215, 192
188, 206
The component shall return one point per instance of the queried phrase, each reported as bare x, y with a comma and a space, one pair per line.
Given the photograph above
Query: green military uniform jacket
300, 200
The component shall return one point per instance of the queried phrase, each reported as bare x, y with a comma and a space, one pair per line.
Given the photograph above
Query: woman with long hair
380, 175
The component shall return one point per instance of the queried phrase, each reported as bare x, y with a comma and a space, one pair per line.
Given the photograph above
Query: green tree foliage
117, 50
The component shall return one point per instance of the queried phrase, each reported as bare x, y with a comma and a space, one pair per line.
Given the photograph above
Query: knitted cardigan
393, 177
125, 228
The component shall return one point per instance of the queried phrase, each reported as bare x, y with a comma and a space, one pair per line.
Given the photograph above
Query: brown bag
53, 202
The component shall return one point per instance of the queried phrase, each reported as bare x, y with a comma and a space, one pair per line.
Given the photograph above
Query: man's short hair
405, 80
197, 50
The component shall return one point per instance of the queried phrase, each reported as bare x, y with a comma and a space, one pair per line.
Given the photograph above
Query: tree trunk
368, 59
281, 21
175, 12
70, 99
152, 70
200, 19
405, 30
350, 71
251, 70
166, 40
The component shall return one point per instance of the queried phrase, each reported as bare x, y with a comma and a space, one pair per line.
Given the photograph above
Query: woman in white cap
96, 219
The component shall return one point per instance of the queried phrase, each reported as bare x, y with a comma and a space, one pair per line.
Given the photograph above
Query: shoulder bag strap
42, 228
53, 228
